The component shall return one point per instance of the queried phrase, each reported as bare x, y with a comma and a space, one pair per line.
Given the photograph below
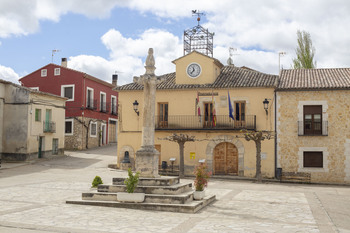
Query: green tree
305, 52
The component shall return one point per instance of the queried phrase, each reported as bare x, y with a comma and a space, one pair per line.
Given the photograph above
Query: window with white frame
57, 71
103, 106
68, 92
69, 126
114, 105
93, 129
89, 98
43, 72
34, 88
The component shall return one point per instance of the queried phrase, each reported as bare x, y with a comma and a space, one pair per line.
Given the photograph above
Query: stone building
313, 120
31, 123
91, 108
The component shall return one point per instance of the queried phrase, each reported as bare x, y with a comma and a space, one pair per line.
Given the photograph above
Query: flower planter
199, 195
131, 197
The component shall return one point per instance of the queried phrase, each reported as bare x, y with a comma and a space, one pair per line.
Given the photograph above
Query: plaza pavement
33, 195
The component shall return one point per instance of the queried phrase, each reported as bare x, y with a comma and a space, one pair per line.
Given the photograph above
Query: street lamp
266, 105
136, 107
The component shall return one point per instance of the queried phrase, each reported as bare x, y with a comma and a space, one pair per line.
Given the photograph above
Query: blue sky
103, 36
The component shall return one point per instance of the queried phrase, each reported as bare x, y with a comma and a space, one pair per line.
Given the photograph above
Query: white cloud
8, 74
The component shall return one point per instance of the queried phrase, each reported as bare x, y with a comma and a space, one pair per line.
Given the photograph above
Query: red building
91, 108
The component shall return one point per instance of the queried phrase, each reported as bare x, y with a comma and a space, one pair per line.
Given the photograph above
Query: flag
230, 109
198, 108
214, 112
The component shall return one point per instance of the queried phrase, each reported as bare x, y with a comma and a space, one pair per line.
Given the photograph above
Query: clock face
193, 70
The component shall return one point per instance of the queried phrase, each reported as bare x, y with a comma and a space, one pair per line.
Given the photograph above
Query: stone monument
147, 156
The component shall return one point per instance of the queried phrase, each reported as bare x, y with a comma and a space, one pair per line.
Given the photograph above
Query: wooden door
163, 115
112, 131
240, 114
208, 115
225, 159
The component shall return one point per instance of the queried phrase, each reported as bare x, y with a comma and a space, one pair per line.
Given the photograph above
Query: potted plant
131, 184
201, 181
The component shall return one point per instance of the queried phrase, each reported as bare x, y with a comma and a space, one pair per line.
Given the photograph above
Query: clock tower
197, 66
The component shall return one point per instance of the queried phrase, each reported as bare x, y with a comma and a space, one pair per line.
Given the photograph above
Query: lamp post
136, 107
266, 105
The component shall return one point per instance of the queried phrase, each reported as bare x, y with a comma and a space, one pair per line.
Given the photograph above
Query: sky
104, 37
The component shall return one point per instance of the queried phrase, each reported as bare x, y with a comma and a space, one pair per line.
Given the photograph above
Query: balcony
114, 110
91, 104
223, 122
313, 128
49, 127
104, 107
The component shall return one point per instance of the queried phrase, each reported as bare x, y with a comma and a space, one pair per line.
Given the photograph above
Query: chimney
64, 62
115, 79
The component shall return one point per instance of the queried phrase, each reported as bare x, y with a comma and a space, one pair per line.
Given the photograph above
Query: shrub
96, 181
131, 181
202, 177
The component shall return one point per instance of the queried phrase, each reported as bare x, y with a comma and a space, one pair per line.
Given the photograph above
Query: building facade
91, 108
313, 120
195, 101
31, 123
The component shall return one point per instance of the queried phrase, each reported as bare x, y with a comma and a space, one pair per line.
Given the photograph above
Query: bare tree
257, 137
181, 139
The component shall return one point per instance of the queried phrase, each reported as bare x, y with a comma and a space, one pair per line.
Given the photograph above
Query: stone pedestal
147, 159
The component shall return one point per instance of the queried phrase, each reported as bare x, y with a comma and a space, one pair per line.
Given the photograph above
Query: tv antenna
53, 53
198, 14
232, 53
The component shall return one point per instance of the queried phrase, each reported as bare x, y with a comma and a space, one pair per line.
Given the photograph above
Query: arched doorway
225, 159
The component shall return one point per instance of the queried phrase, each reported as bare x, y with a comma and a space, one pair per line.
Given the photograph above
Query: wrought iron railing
104, 107
49, 127
114, 110
92, 104
313, 129
204, 123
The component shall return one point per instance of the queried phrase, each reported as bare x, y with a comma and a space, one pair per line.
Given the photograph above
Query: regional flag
230, 109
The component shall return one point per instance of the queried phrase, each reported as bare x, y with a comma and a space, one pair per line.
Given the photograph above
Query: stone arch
226, 138
131, 155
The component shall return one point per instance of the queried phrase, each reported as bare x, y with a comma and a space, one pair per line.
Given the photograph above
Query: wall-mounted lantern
266, 105
136, 107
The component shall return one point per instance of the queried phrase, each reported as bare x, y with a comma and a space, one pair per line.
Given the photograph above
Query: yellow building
31, 123
313, 120
194, 101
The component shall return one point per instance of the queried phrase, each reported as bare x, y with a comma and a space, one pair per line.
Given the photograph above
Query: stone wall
77, 141
335, 146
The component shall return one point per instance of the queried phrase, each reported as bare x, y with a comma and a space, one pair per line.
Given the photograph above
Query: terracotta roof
230, 77
300, 79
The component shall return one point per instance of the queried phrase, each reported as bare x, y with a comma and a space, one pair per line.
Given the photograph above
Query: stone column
147, 156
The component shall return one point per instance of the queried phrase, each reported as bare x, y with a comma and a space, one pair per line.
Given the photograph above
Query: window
37, 114
240, 113
93, 129
69, 127
48, 126
114, 105
313, 159
55, 146
90, 98
57, 71
313, 119
68, 92
43, 72
34, 88
103, 102
163, 115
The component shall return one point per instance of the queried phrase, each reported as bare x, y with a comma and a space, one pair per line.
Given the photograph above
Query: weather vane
198, 14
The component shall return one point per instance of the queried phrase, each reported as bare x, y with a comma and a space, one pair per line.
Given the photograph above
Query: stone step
191, 207
166, 190
161, 181
149, 198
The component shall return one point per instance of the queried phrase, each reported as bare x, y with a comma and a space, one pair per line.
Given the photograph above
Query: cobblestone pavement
33, 195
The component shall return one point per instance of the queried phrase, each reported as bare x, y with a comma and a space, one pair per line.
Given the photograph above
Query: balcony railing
220, 122
313, 129
114, 110
49, 127
104, 107
92, 104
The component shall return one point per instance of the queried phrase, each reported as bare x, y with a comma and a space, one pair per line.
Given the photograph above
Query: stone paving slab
32, 199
